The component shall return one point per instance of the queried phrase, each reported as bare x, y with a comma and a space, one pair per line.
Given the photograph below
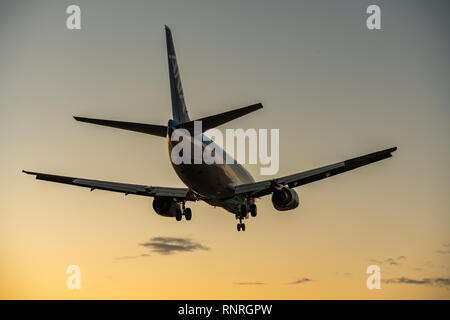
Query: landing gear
183, 211
243, 214
188, 213
253, 211
241, 226
243, 210
178, 214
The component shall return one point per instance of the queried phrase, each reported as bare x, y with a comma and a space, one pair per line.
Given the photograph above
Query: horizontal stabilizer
221, 118
152, 129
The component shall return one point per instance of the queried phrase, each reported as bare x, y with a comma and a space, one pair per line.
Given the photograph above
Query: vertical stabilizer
179, 111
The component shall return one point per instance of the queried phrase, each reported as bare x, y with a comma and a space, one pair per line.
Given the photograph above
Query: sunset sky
335, 89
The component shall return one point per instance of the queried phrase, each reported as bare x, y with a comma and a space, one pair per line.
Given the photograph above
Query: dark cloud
170, 245
133, 257
249, 283
437, 282
391, 261
300, 281
444, 282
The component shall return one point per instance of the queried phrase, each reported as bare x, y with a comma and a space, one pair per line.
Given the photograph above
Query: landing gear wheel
243, 226
188, 213
253, 210
238, 227
243, 210
178, 214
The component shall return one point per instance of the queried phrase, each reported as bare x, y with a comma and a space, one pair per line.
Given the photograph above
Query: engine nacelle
285, 199
165, 206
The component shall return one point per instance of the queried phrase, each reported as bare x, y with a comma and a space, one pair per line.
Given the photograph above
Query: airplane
229, 186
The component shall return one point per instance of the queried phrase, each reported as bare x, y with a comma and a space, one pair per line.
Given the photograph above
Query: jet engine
285, 199
165, 206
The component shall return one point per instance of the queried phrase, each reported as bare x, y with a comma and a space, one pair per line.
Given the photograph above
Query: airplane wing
266, 187
126, 188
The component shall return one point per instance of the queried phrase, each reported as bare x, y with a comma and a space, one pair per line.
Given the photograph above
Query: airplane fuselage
212, 183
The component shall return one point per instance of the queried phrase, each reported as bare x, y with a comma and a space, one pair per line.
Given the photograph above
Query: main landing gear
243, 213
183, 211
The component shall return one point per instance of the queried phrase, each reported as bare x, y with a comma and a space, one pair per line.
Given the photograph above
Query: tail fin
179, 111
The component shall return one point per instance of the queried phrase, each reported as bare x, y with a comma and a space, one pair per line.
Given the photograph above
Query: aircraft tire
243, 210
253, 210
188, 213
178, 214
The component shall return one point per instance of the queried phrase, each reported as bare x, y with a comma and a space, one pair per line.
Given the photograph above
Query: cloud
300, 281
391, 261
170, 245
444, 282
249, 283
132, 257
446, 249
437, 282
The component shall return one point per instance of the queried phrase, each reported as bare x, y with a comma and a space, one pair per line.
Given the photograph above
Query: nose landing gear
243, 213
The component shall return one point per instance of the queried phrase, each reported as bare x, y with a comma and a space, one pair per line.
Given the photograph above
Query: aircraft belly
209, 181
